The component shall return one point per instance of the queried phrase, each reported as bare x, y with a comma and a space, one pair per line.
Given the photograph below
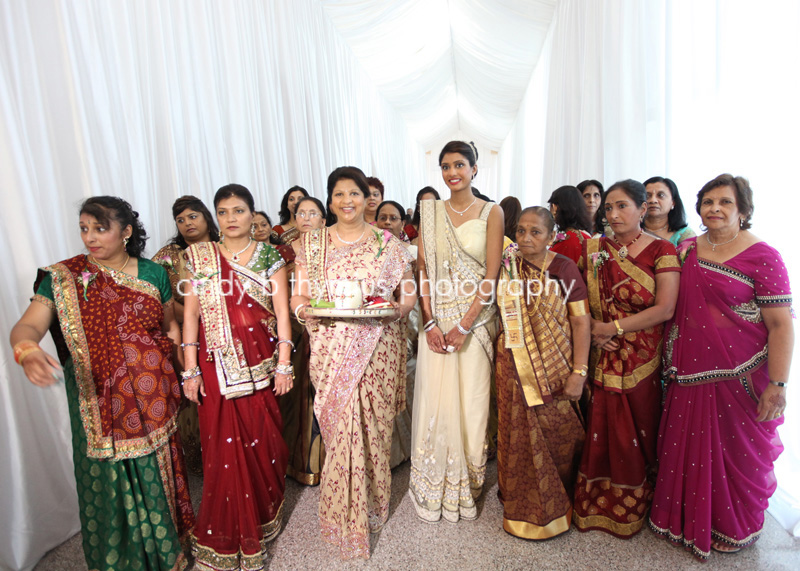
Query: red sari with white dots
715, 461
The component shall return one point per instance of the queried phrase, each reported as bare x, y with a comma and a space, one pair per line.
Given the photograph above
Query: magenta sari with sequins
715, 461
358, 368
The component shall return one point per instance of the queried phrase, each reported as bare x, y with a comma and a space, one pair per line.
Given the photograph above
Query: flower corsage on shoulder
383, 240
684, 248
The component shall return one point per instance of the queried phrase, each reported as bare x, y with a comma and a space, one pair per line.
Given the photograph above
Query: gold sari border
303, 477
44, 301
627, 382
129, 281
603, 523
527, 530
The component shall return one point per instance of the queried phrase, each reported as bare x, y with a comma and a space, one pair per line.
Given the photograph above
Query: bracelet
462, 330
428, 324
289, 341
283, 369
195, 344
191, 373
778, 383
23, 349
430, 327
297, 316
619, 329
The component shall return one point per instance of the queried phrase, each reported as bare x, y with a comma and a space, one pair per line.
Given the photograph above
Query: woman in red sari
572, 221
633, 282
111, 316
727, 355
237, 346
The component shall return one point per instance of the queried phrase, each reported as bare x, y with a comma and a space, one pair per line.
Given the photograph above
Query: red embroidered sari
244, 456
617, 470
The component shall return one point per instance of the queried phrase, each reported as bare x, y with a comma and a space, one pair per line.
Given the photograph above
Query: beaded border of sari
726, 271
67, 306
351, 546
315, 244
207, 559
735, 374
687, 543
164, 460
203, 259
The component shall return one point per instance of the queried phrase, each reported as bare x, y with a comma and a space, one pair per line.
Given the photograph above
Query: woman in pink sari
357, 365
727, 357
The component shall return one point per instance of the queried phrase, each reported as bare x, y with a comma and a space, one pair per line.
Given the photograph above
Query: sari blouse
619, 288
110, 327
570, 244
717, 332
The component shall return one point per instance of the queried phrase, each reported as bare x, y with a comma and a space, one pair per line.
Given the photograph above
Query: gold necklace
623, 252
235, 257
110, 269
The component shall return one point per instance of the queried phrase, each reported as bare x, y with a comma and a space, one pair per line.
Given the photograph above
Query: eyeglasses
310, 214
389, 218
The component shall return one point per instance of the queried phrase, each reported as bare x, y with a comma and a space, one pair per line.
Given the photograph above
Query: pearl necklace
356, 241
714, 246
461, 213
235, 257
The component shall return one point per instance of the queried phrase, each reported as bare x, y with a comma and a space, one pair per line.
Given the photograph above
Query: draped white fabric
448, 65
150, 100
682, 89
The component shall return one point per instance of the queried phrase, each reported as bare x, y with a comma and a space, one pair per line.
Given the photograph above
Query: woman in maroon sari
633, 282
727, 356
236, 328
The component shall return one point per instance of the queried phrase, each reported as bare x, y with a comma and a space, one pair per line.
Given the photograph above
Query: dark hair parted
376, 182
397, 205
541, 212
571, 211
633, 188
420, 194
265, 215
345, 173
107, 209
317, 202
190, 202
284, 214
742, 191
467, 150
512, 209
235, 191
676, 219
600, 215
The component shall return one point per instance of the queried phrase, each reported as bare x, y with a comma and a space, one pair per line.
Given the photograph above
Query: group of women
577, 318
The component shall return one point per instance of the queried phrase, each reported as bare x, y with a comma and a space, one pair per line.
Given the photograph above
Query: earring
741, 222
221, 237
125, 243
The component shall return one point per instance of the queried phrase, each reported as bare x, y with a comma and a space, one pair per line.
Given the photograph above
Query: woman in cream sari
459, 257
357, 365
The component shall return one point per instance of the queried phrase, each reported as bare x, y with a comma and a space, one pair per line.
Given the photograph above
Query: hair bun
135, 214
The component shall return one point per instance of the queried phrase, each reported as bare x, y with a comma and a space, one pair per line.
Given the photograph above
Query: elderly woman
357, 365
110, 313
666, 217
542, 360
572, 222
237, 348
727, 361
633, 282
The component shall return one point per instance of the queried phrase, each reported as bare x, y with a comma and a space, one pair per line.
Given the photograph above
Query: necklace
235, 257
461, 213
356, 241
112, 270
623, 252
714, 246
664, 227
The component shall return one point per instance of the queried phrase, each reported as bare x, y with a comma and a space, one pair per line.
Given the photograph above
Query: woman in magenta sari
357, 365
727, 359
237, 347
633, 282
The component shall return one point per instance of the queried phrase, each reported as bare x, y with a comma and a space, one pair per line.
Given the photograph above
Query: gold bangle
25, 348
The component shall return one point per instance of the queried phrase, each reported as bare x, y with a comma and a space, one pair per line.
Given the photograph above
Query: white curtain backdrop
685, 89
150, 100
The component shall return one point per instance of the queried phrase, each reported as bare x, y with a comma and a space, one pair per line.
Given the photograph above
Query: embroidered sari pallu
358, 369
244, 456
123, 401
540, 431
715, 461
617, 470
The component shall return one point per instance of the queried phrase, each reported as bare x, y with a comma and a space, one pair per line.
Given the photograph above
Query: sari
451, 395
715, 461
358, 369
172, 258
244, 456
286, 236
617, 469
123, 400
570, 244
540, 431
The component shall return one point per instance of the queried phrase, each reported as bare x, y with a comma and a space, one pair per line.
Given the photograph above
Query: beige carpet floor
408, 543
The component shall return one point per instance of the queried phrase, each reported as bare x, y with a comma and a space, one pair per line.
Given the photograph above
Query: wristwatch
619, 329
583, 371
